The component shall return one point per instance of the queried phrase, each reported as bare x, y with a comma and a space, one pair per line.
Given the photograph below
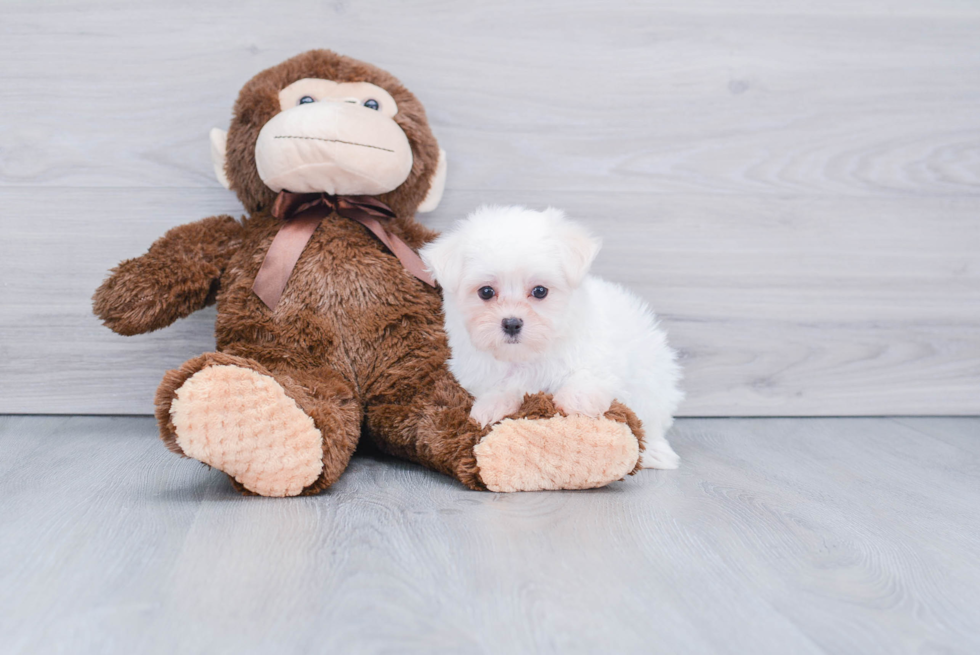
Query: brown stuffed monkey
328, 328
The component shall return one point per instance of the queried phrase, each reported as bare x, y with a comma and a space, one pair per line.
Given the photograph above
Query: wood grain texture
793, 319
854, 98
776, 536
795, 188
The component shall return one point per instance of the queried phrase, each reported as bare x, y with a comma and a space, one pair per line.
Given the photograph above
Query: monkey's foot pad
243, 423
573, 452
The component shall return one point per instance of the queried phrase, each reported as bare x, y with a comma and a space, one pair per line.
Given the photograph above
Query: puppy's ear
444, 259
579, 248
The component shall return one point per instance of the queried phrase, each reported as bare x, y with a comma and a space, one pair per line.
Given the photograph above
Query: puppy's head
509, 273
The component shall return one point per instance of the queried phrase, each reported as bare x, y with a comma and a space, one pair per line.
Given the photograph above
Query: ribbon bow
301, 213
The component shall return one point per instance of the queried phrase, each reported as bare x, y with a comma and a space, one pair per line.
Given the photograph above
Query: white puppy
523, 316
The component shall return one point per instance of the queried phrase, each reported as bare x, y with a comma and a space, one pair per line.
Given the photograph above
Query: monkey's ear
438, 185
219, 142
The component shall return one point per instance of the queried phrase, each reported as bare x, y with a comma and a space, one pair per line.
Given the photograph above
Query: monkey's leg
536, 449
282, 433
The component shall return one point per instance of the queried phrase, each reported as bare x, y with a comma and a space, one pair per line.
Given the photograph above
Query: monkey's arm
177, 276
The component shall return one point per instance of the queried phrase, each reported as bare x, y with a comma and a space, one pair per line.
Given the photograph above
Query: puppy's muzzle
512, 326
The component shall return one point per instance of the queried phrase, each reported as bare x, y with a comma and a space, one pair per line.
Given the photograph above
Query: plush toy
328, 326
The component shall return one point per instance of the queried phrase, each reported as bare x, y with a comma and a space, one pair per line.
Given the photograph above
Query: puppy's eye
305, 100
486, 293
539, 292
372, 104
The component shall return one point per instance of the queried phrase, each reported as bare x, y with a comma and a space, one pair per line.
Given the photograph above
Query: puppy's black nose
512, 325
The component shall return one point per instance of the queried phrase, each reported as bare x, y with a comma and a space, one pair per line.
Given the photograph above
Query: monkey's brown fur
355, 341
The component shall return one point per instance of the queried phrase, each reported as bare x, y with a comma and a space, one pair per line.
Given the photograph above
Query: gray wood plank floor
776, 536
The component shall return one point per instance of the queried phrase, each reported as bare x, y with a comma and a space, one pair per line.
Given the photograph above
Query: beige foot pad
242, 422
574, 452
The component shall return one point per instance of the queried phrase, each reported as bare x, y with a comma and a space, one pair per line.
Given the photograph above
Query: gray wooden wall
794, 185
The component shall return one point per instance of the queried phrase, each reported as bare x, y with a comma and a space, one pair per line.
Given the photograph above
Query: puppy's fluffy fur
583, 339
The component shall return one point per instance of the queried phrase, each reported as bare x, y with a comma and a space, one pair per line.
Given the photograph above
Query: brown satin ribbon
301, 213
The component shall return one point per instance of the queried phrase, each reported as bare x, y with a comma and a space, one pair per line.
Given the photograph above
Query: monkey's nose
512, 325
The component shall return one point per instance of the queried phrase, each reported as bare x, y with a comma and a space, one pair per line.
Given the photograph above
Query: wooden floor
776, 536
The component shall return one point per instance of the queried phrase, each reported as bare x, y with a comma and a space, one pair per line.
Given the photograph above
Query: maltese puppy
523, 315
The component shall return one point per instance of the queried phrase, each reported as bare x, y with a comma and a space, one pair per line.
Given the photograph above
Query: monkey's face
321, 122
338, 138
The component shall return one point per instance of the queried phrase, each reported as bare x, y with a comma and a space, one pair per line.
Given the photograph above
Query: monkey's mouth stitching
350, 143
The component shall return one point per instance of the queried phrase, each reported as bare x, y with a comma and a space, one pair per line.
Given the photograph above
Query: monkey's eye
305, 100
539, 292
372, 104
486, 293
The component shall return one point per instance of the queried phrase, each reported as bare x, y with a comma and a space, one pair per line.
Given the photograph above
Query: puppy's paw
659, 455
586, 401
493, 407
